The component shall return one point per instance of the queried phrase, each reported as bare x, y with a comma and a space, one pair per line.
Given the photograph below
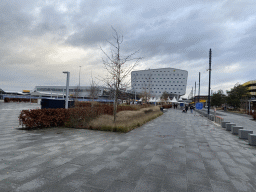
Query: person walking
191, 108
186, 108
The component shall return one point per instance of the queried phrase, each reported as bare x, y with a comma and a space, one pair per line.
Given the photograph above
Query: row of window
163, 88
161, 92
160, 81
158, 74
156, 78
146, 85
61, 90
150, 75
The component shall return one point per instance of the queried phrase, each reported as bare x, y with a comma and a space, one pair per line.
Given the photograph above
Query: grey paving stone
241, 185
174, 182
147, 184
218, 174
198, 188
103, 179
198, 178
118, 186
223, 186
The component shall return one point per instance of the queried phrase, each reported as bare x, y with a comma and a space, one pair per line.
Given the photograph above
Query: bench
252, 139
234, 129
223, 124
243, 134
229, 125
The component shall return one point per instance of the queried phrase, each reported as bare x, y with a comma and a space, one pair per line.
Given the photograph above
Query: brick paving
175, 152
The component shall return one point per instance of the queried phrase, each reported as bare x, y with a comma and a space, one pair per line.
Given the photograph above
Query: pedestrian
191, 108
186, 108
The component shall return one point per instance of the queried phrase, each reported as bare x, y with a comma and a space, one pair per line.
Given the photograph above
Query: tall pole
209, 98
199, 89
79, 76
192, 93
195, 93
67, 88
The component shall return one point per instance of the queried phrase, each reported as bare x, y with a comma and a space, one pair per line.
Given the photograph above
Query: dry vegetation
126, 120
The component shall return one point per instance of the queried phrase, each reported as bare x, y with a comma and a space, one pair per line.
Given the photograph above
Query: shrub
7, 100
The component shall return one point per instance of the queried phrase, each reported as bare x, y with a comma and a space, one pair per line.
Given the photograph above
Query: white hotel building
157, 81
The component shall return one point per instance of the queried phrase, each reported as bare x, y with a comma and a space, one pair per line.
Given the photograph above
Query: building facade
157, 81
75, 91
251, 87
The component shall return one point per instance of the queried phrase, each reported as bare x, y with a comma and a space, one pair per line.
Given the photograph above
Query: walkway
175, 152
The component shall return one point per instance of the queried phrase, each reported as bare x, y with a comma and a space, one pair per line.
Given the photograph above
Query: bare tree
94, 90
165, 96
76, 93
118, 67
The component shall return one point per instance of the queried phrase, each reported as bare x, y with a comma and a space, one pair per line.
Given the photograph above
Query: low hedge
7, 100
78, 117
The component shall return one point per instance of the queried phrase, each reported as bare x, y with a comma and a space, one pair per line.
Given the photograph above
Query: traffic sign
199, 105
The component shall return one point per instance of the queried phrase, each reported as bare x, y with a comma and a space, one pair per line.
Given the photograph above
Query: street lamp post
79, 76
67, 88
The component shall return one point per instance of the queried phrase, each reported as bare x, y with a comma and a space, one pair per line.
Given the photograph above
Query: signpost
199, 105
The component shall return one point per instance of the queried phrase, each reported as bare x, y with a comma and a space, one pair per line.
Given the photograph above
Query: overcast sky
41, 39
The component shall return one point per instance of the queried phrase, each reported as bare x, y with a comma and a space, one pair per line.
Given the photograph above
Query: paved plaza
175, 152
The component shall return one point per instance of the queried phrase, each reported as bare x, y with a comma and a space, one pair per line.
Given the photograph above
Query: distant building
59, 91
156, 81
251, 86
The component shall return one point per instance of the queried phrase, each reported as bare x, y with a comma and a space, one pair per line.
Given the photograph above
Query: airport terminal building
60, 91
156, 81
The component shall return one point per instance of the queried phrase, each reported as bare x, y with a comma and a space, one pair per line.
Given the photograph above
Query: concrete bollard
243, 134
234, 129
252, 139
228, 126
223, 124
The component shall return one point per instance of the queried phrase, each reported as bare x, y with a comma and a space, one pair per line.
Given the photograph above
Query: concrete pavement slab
175, 152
